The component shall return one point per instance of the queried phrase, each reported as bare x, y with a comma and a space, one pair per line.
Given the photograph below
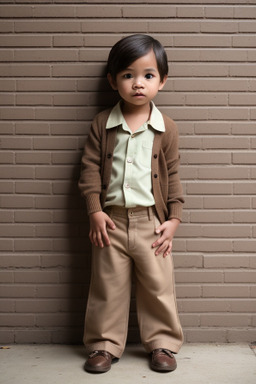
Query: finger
158, 241
110, 223
106, 238
163, 247
168, 251
94, 238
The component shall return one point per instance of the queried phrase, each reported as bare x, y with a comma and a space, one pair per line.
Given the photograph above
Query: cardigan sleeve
90, 176
175, 199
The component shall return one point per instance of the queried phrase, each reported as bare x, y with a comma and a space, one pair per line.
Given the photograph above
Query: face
140, 82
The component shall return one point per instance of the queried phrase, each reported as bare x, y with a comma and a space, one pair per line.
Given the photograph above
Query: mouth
138, 95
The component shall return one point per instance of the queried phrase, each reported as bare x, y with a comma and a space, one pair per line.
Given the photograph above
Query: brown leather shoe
162, 360
99, 362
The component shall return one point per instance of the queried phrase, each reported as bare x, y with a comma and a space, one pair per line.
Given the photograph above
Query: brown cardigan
97, 164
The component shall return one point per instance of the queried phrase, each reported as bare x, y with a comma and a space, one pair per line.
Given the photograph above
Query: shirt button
129, 160
127, 185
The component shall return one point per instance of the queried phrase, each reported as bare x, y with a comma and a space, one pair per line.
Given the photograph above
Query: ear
162, 84
112, 82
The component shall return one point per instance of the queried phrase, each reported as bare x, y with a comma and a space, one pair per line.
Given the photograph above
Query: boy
129, 179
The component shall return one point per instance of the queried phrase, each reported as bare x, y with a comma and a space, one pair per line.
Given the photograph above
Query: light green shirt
130, 183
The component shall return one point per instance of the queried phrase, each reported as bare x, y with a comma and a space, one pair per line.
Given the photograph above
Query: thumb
159, 229
110, 223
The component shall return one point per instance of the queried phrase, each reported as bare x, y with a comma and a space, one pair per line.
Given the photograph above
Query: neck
130, 109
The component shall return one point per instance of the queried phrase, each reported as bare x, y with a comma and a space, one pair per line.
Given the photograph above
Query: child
129, 179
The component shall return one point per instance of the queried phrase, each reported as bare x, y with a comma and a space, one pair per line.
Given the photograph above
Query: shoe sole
162, 369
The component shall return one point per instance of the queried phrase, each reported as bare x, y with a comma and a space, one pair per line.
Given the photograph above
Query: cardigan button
109, 155
155, 176
155, 156
104, 186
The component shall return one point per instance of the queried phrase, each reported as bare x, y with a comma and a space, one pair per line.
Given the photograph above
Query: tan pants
107, 312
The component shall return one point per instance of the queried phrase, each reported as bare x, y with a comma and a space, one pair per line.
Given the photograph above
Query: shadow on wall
79, 247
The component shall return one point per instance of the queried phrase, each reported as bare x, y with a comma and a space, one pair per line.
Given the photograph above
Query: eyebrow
145, 70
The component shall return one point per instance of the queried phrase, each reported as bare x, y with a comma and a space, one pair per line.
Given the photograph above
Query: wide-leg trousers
107, 313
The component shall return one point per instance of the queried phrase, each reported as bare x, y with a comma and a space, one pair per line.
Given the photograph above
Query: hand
164, 243
99, 222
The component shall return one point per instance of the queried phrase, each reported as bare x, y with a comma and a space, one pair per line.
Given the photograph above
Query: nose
137, 83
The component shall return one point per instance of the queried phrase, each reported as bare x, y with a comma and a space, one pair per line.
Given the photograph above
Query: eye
127, 76
149, 76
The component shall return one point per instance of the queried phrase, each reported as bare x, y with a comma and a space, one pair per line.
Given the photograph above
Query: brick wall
52, 63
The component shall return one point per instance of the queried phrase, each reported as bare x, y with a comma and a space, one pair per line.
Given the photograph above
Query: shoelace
163, 351
95, 353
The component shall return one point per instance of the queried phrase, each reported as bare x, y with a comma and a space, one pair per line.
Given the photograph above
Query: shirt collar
116, 118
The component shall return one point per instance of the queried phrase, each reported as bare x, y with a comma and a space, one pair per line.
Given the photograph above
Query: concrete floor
62, 364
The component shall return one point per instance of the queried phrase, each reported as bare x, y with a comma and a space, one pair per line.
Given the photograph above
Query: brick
204, 335
207, 99
216, 12
209, 188
32, 336
159, 11
6, 216
12, 291
68, 41
34, 216
19, 261
199, 276
54, 143
212, 128
18, 11
223, 261
243, 128
189, 291
244, 188
226, 290
202, 41
244, 158
46, 26
33, 99
245, 245
227, 202
241, 335
41, 188
224, 55
32, 128
17, 113
32, 157
7, 187
208, 157
14, 320
225, 320
22, 245
228, 173
25, 41
226, 26
203, 306
209, 245
205, 216
226, 231
239, 276
17, 201
16, 230
44, 85
94, 11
